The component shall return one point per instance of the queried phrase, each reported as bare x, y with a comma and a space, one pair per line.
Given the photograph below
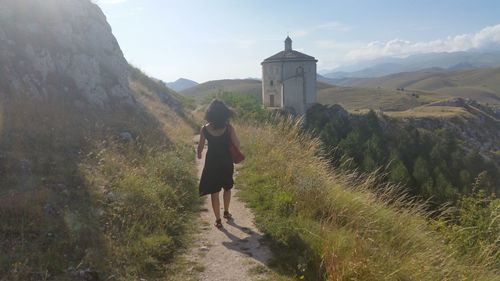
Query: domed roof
288, 54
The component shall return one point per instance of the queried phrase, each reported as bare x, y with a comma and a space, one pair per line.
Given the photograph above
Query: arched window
272, 83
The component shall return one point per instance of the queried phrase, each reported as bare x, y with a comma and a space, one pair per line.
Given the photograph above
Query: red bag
235, 153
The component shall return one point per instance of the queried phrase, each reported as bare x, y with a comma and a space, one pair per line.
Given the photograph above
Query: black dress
218, 169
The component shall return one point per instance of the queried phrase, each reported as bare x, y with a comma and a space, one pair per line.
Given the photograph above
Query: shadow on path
249, 245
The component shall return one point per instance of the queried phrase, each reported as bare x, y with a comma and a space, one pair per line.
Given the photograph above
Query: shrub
472, 227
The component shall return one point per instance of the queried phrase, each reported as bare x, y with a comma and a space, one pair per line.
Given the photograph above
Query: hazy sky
216, 39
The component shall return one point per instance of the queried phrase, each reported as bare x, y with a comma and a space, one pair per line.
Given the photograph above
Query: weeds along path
237, 251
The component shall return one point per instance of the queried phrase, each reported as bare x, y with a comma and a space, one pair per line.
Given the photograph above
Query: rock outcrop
61, 47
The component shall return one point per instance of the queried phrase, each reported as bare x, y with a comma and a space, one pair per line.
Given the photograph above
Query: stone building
289, 80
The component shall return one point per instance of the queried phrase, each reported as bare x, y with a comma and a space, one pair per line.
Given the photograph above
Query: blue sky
217, 39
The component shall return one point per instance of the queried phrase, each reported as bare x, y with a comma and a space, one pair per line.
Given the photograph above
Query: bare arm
234, 137
201, 144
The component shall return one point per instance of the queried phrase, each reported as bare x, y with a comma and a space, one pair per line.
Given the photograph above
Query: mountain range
390, 65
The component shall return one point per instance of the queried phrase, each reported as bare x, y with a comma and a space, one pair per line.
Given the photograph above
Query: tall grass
79, 202
331, 225
145, 195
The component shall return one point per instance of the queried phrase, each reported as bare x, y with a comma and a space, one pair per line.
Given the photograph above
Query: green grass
327, 225
146, 195
76, 199
128, 218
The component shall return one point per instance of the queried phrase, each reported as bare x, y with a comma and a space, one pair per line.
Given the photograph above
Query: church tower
289, 80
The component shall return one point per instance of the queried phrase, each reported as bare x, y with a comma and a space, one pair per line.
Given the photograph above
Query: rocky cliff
61, 47
67, 98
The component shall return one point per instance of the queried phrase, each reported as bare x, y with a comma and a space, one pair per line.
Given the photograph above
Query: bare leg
227, 199
216, 204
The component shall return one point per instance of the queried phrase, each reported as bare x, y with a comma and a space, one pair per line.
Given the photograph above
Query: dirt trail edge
237, 251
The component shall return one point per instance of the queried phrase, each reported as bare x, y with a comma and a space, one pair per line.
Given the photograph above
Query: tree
353, 145
443, 187
420, 170
398, 172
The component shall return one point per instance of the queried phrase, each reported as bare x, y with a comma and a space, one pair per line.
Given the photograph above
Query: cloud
328, 26
488, 37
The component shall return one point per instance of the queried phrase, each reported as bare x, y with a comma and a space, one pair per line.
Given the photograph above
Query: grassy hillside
480, 84
322, 85
329, 225
242, 86
426, 111
356, 98
205, 90
75, 181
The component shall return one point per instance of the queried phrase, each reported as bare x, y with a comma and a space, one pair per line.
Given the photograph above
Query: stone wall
296, 78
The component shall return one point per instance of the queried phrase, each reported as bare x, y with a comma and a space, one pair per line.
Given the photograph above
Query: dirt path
237, 251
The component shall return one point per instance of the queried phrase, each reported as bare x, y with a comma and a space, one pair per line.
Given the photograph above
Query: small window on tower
272, 83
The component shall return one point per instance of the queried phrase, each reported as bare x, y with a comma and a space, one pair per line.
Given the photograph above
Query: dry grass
376, 98
328, 225
478, 84
172, 124
431, 111
76, 198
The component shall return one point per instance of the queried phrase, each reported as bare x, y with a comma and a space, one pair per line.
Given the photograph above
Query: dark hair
218, 114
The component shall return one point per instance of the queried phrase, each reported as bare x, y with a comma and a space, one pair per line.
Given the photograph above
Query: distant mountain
181, 84
322, 79
385, 66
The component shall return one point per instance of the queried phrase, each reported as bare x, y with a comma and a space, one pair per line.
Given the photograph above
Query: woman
218, 170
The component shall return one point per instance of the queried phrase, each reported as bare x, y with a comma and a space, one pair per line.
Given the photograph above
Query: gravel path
237, 251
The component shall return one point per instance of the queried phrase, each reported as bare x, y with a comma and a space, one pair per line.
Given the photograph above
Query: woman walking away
218, 170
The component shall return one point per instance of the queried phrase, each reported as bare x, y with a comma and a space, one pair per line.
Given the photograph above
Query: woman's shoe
228, 215
218, 223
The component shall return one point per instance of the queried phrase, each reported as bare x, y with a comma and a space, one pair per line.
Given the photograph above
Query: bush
472, 228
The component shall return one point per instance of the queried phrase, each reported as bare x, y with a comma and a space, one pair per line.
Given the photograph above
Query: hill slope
329, 225
181, 84
244, 86
81, 138
358, 98
479, 84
